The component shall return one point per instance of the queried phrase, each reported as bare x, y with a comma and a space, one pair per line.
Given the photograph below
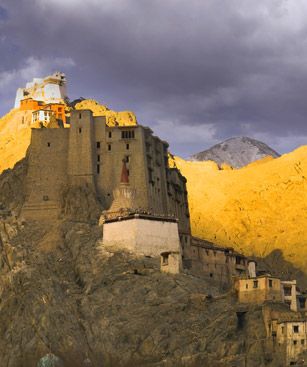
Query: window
80, 130
211, 275
255, 284
246, 286
98, 144
150, 175
295, 328
127, 146
48, 144
302, 302
294, 342
80, 115
303, 341
128, 134
109, 147
165, 259
98, 169
127, 159
282, 329
110, 134
98, 158
270, 283
287, 291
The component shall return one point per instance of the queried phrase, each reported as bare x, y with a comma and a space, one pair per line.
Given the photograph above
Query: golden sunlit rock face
15, 135
255, 209
123, 118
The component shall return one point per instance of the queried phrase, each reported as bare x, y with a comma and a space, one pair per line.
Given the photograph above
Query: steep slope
236, 152
256, 209
62, 292
15, 135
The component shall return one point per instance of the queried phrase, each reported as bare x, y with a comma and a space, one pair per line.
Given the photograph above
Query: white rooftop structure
51, 89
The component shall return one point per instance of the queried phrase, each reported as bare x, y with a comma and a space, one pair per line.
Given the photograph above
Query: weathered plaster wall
248, 293
142, 236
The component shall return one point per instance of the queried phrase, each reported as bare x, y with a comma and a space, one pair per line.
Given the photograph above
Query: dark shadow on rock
278, 266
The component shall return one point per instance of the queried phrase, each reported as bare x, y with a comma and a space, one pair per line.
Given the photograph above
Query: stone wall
81, 149
47, 173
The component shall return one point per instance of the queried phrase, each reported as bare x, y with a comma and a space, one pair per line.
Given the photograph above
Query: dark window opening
211, 275
150, 175
80, 115
127, 159
109, 147
98, 169
80, 130
48, 144
303, 341
128, 134
255, 284
295, 328
287, 291
246, 286
127, 146
294, 342
164, 259
270, 283
110, 134
302, 302
128, 172
240, 320
98, 158
98, 144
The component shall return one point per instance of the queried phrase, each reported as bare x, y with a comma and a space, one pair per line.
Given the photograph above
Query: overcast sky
196, 71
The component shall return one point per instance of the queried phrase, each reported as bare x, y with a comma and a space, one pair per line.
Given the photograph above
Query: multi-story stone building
219, 264
91, 153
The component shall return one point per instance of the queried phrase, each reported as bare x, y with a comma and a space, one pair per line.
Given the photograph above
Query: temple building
51, 89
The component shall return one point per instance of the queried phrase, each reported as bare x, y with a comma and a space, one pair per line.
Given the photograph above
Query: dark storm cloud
196, 71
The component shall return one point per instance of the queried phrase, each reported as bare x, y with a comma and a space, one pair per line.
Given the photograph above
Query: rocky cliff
236, 152
61, 292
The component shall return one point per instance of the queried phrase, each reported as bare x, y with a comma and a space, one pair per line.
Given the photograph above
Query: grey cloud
222, 63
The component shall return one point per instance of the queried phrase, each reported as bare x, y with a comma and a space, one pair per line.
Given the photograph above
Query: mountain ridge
236, 152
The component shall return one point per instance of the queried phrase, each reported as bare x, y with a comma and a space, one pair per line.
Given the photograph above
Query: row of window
125, 134
109, 146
